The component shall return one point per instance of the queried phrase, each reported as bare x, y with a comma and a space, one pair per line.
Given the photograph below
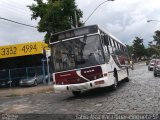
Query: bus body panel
93, 76
84, 86
85, 83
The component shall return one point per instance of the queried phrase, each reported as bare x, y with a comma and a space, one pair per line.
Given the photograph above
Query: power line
96, 9
17, 22
14, 5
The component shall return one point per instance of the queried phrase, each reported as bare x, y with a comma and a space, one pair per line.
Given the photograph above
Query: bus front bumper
102, 82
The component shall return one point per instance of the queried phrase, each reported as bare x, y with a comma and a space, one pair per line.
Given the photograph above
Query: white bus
86, 58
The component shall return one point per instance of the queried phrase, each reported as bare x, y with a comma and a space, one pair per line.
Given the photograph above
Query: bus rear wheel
114, 86
127, 79
76, 93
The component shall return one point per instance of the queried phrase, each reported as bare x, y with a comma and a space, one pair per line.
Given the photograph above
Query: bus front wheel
114, 86
127, 78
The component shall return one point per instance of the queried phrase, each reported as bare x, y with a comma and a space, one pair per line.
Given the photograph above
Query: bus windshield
77, 53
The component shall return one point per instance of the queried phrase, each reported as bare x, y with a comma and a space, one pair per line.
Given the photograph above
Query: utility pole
48, 54
76, 19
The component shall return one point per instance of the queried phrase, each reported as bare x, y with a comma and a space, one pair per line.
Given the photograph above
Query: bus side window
114, 42
109, 39
110, 45
105, 47
106, 42
113, 47
118, 45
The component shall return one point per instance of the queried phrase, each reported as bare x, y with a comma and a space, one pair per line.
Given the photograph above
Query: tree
156, 37
55, 15
152, 49
150, 52
138, 48
154, 46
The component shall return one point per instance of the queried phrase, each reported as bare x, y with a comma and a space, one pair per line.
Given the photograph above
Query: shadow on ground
98, 92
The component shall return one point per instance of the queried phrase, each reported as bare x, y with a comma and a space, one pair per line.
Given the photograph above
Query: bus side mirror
106, 40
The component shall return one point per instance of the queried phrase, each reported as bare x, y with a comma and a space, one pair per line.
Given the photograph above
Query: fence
13, 76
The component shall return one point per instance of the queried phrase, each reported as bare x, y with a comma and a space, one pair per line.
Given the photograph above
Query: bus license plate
99, 82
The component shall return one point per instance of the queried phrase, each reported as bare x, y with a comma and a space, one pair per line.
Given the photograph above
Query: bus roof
90, 29
75, 32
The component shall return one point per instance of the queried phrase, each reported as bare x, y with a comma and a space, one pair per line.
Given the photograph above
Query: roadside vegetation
138, 52
56, 15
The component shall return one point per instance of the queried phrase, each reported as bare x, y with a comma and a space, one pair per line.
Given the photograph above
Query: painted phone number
13, 50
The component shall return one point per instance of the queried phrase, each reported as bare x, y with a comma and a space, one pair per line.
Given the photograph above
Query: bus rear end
82, 79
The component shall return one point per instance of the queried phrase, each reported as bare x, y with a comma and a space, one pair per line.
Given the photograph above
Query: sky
125, 19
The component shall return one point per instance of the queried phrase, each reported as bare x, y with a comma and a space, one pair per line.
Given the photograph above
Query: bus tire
114, 86
127, 79
76, 93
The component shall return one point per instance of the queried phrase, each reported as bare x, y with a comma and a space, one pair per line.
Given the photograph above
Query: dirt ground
20, 91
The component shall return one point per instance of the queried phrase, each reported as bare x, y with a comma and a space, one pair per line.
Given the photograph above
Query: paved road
140, 95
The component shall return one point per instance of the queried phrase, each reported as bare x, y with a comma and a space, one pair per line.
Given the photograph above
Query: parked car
32, 81
5, 83
4, 78
157, 68
151, 64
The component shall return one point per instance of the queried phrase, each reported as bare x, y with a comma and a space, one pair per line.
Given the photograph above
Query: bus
87, 57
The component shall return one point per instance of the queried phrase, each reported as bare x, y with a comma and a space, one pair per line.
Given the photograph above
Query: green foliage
156, 37
149, 52
138, 48
55, 15
154, 46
